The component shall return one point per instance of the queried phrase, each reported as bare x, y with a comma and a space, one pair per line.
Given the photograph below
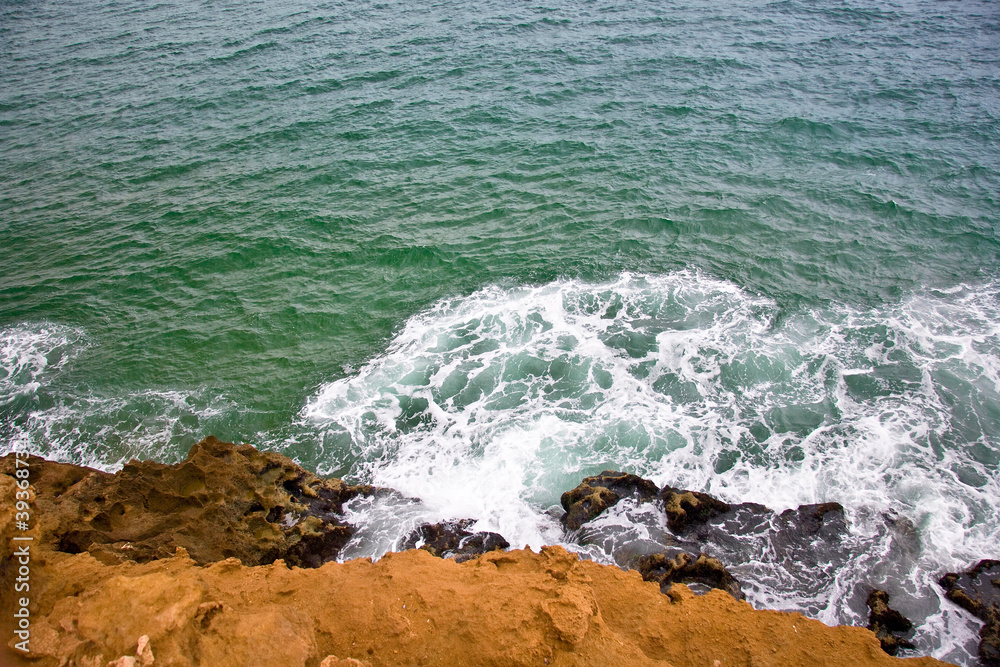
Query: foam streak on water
489, 406
31, 354
43, 415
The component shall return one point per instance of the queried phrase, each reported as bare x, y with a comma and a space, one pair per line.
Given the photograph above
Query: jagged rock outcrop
453, 539
680, 567
513, 608
887, 623
93, 603
685, 509
699, 522
978, 591
223, 501
809, 543
700, 517
597, 493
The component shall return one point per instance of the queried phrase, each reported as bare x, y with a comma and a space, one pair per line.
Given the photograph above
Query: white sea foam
107, 432
31, 354
488, 406
74, 424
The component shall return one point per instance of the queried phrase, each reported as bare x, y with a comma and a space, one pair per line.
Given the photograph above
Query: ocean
477, 251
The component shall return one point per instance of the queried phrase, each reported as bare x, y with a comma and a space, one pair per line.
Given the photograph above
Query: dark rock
796, 531
223, 501
452, 539
978, 591
681, 567
598, 493
814, 519
801, 550
989, 639
689, 508
887, 623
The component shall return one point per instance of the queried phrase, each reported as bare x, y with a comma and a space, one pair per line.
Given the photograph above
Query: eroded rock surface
515, 608
453, 539
699, 522
799, 551
686, 509
700, 518
887, 623
597, 493
680, 567
223, 501
978, 591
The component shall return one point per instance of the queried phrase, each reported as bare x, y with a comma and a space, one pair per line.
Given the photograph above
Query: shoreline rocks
688, 509
682, 568
887, 623
707, 535
454, 540
595, 494
229, 558
977, 590
705, 531
223, 501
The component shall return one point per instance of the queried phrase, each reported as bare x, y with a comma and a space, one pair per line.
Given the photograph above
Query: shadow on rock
453, 539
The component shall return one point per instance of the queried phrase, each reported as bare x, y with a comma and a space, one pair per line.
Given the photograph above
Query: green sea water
391, 239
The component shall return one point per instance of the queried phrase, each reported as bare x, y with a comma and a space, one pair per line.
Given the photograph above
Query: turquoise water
476, 251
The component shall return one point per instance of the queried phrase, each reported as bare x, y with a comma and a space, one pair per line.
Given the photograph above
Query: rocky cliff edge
225, 559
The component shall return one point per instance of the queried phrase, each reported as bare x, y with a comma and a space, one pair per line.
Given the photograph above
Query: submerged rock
595, 494
223, 501
452, 539
978, 591
680, 567
887, 623
824, 518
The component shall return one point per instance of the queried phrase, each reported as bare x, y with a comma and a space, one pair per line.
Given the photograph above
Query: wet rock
808, 541
599, 492
809, 533
685, 509
989, 639
978, 591
223, 501
681, 567
975, 590
825, 518
887, 623
453, 539
802, 549
807, 538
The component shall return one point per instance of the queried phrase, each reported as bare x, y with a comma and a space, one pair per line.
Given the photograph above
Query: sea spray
489, 406
47, 416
